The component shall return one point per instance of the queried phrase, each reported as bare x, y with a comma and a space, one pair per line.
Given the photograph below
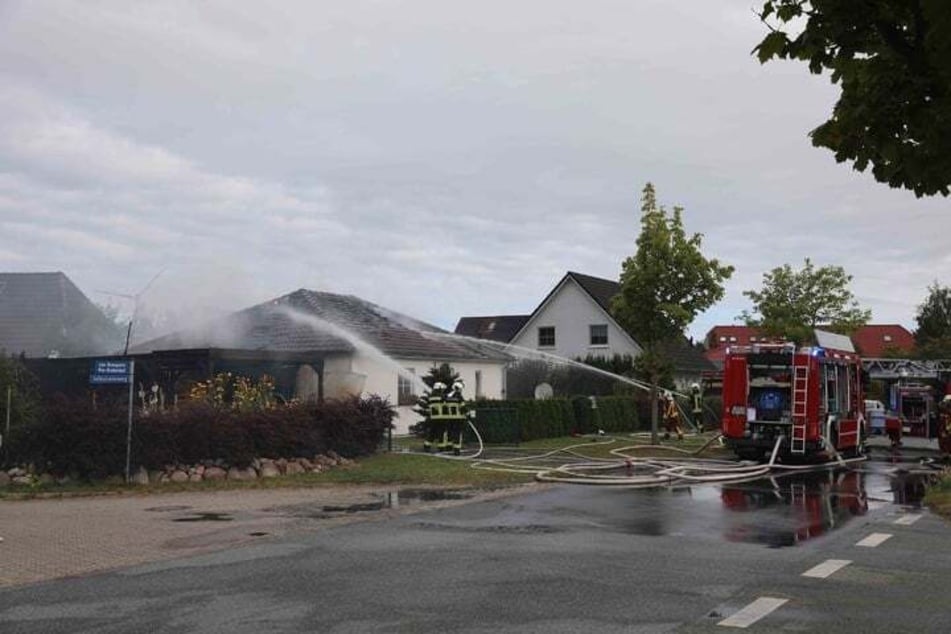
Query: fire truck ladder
800, 394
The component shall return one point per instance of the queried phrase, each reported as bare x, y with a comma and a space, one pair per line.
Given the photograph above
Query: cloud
408, 152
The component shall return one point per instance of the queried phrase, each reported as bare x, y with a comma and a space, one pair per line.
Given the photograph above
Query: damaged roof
315, 321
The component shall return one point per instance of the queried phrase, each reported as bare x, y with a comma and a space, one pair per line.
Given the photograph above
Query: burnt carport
296, 374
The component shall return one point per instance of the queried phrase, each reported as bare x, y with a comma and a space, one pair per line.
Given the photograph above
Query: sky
442, 159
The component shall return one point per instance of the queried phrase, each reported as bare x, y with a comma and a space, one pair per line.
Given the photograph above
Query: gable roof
684, 356
495, 328
600, 290
45, 313
872, 340
313, 321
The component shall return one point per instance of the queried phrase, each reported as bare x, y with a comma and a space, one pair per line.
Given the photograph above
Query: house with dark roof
357, 347
574, 321
46, 315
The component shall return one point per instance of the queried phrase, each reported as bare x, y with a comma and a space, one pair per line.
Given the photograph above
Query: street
560, 559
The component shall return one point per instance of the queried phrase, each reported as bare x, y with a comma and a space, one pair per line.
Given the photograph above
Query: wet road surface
564, 559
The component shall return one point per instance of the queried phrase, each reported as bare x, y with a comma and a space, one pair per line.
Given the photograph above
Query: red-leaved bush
74, 437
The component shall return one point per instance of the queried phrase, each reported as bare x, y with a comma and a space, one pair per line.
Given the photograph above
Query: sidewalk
49, 538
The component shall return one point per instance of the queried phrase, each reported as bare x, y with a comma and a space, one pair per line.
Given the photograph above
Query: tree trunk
653, 406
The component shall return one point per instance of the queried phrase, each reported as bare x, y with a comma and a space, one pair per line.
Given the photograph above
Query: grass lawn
938, 498
403, 466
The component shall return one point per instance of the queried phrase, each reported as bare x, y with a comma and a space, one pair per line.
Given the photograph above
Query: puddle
382, 501
205, 517
776, 512
166, 509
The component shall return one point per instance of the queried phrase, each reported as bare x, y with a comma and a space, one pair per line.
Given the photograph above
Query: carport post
128, 437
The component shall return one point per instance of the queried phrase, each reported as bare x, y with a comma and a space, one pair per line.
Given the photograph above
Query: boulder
269, 469
178, 476
16, 472
194, 477
21, 480
306, 464
214, 473
140, 477
246, 474
4, 479
293, 467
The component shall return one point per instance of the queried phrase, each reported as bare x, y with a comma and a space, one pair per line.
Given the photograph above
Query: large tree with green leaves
665, 284
792, 303
892, 59
933, 336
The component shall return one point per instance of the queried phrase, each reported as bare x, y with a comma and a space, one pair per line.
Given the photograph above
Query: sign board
107, 371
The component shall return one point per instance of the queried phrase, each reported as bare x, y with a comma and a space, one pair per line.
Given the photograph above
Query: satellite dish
543, 391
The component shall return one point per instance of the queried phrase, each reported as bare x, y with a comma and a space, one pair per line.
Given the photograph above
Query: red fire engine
809, 396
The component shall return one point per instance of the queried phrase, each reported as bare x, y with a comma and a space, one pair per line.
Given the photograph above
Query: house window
752, 338
546, 337
478, 383
732, 339
599, 334
887, 337
722, 339
406, 392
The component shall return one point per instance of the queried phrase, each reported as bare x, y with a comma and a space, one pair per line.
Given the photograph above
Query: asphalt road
566, 559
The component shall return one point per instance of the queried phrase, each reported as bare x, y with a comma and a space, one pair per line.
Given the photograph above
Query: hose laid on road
640, 471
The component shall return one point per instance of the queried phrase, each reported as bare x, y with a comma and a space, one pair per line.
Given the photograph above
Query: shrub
73, 436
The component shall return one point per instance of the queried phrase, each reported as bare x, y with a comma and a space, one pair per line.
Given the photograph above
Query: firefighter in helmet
671, 417
944, 424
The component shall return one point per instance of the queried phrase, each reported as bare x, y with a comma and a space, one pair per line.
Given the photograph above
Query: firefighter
671, 417
944, 425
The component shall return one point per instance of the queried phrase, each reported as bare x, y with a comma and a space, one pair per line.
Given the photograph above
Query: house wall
382, 379
571, 311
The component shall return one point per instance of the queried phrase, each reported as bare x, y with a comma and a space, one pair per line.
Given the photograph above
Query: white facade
571, 311
363, 374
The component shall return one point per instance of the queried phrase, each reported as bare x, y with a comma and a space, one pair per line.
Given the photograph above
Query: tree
792, 304
664, 285
933, 336
892, 59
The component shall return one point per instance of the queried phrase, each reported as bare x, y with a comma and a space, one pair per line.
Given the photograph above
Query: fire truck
795, 403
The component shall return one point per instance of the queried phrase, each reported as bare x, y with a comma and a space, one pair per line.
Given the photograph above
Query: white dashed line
874, 540
909, 519
753, 612
826, 568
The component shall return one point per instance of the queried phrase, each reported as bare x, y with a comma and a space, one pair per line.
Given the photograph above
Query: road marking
753, 612
908, 519
826, 568
874, 540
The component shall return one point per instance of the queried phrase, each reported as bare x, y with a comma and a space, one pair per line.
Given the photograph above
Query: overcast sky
439, 158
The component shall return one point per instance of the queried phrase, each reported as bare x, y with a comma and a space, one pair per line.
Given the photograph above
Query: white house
574, 321
358, 348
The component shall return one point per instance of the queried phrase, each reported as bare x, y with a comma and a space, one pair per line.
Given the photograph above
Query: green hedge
525, 419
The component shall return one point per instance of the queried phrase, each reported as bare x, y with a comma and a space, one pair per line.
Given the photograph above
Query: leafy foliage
792, 303
933, 335
226, 390
75, 436
667, 281
555, 417
24, 405
892, 59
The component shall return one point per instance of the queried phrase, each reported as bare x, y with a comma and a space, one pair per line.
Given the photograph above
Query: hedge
75, 437
527, 419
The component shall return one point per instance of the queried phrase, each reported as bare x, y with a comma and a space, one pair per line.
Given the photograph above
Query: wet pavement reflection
779, 511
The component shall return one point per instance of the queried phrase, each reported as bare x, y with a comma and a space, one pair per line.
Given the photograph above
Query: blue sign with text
106, 371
